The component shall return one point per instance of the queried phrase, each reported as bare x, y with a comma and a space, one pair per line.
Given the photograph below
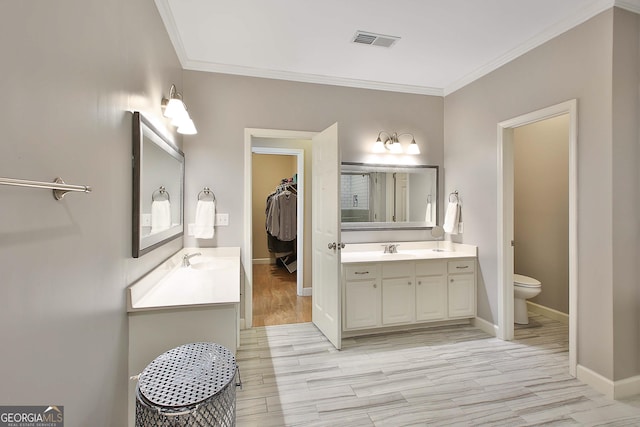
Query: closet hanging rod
58, 186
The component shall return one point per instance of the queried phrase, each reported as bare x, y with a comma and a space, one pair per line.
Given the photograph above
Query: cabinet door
362, 308
398, 301
431, 298
462, 295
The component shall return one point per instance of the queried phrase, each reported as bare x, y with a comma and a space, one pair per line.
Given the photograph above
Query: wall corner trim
611, 389
485, 326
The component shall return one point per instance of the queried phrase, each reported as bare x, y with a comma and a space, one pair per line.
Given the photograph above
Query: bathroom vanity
415, 286
179, 303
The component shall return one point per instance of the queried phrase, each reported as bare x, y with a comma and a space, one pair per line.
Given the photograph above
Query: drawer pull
462, 267
361, 272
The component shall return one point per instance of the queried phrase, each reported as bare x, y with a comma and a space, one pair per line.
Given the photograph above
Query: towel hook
206, 192
454, 194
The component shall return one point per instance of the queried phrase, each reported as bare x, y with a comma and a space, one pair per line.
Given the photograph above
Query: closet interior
275, 242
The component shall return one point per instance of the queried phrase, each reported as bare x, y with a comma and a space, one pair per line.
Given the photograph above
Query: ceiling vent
363, 37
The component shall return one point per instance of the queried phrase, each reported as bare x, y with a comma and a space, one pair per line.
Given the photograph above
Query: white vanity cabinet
397, 293
462, 288
362, 296
431, 290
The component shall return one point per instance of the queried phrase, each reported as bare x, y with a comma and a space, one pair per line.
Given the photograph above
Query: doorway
506, 220
278, 181
277, 143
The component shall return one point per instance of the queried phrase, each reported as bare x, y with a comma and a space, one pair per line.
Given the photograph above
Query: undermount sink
397, 255
210, 263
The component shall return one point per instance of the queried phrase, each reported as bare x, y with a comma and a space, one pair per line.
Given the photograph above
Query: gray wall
222, 106
576, 64
541, 208
625, 194
70, 72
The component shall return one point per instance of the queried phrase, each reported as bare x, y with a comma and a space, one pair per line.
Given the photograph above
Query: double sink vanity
408, 284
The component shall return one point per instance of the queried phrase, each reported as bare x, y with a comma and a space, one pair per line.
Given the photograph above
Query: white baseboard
627, 387
611, 389
595, 380
547, 312
264, 261
306, 292
485, 326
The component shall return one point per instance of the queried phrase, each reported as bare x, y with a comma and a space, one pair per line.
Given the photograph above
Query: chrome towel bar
58, 186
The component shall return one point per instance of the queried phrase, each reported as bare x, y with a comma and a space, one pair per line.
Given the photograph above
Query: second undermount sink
210, 263
397, 255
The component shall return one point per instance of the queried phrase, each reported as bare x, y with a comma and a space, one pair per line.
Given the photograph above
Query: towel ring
454, 194
206, 192
160, 194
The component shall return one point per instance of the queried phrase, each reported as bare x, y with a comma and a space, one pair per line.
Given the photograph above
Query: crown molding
630, 5
588, 12
309, 78
172, 29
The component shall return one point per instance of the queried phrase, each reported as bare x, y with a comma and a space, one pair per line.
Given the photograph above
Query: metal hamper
190, 385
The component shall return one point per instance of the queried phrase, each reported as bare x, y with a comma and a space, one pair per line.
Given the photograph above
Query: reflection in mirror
158, 178
374, 197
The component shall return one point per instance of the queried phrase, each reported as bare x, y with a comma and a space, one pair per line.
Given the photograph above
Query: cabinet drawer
397, 269
361, 271
465, 266
431, 268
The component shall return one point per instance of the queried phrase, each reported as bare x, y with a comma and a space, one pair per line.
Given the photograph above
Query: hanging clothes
281, 222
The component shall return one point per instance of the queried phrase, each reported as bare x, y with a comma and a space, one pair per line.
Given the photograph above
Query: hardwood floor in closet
274, 297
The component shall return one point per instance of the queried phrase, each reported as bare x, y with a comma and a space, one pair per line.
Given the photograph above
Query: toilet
524, 287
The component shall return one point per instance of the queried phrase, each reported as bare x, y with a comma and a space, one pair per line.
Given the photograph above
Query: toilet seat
525, 281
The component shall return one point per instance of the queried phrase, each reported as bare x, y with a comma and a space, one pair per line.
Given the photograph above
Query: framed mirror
382, 197
158, 183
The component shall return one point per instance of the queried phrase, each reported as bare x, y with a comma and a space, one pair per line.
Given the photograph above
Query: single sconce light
176, 110
389, 143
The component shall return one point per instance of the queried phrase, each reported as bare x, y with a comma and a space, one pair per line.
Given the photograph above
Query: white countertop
407, 251
212, 279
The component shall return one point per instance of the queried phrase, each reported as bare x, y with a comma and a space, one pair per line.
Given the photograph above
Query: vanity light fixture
389, 143
176, 110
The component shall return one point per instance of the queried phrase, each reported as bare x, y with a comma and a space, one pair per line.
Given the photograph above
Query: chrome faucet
391, 248
187, 257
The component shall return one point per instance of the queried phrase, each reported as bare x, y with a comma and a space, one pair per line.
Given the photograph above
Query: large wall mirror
378, 197
158, 183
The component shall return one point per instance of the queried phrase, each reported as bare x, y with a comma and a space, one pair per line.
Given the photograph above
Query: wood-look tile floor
275, 301
445, 376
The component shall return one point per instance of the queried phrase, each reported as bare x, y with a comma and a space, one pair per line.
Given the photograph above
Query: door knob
332, 245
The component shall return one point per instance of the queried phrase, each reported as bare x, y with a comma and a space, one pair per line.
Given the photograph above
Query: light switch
222, 219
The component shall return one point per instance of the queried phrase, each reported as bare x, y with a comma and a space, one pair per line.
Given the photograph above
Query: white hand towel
451, 218
160, 216
427, 215
205, 216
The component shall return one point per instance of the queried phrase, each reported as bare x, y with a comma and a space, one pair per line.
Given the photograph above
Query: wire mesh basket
191, 385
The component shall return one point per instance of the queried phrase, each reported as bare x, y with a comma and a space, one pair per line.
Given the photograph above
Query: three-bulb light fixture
389, 143
176, 110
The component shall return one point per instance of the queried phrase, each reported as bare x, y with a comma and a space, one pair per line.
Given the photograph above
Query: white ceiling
444, 44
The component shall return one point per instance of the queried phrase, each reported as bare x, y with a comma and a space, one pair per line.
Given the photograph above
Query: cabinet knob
451, 280
419, 282
409, 283
375, 286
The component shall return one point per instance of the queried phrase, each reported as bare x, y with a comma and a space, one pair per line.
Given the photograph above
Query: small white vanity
182, 301
411, 285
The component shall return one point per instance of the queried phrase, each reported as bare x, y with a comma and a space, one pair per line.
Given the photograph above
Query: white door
326, 301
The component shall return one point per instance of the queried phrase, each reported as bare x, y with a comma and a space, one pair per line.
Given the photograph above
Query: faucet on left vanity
187, 257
